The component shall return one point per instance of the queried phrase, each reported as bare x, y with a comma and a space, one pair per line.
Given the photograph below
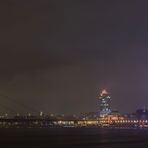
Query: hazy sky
55, 53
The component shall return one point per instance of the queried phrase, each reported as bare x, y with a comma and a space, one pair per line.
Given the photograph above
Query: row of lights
125, 121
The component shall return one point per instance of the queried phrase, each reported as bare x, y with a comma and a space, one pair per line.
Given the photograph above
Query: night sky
54, 54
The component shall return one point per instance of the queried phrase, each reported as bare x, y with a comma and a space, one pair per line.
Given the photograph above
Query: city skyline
73, 73
104, 108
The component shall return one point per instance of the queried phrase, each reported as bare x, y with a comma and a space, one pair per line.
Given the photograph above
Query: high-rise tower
104, 102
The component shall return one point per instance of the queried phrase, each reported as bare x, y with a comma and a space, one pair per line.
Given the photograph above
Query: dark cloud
53, 54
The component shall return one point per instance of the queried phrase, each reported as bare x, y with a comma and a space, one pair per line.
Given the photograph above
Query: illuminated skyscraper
104, 102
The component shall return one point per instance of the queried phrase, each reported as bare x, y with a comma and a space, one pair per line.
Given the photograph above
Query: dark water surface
73, 138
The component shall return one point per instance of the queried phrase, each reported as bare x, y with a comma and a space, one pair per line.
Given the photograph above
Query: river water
74, 138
